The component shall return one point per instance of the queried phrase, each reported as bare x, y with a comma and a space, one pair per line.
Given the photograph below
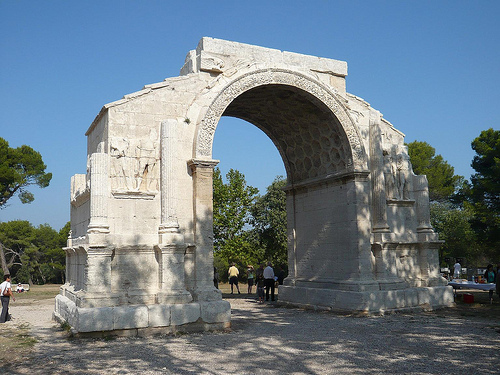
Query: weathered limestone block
127, 317
95, 319
159, 315
215, 312
184, 314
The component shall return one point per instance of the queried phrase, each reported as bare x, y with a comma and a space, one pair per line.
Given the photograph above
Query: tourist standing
490, 277
259, 281
269, 281
281, 275
5, 294
260, 270
457, 270
250, 278
233, 277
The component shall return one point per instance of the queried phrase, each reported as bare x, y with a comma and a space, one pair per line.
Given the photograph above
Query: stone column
379, 212
169, 227
204, 289
99, 194
429, 243
171, 246
421, 191
96, 262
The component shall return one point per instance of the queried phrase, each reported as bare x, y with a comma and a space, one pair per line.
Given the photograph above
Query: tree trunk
5, 268
44, 279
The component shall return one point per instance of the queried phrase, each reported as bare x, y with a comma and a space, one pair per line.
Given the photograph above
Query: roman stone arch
140, 253
284, 78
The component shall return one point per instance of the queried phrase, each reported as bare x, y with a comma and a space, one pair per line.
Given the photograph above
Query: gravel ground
266, 339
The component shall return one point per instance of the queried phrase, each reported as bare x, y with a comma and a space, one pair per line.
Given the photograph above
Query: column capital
202, 163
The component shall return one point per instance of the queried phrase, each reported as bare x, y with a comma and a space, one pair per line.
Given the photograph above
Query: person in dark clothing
5, 294
281, 275
259, 280
490, 277
269, 281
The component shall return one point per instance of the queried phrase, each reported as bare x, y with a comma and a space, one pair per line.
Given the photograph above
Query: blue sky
431, 67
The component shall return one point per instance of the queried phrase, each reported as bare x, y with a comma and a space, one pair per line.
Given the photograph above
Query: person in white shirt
457, 270
5, 294
269, 281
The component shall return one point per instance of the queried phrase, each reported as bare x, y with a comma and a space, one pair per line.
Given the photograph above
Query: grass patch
36, 293
65, 326
16, 340
15, 343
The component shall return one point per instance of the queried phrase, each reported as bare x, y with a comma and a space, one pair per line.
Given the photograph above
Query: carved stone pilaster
169, 228
171, 249
379, 216
99, 195
421, 191
202, 171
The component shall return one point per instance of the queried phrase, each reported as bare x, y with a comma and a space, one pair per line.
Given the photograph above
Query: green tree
483, 192
20, 168
232, 201
454, 228
33, 255
15, 237
50, 258
269, 221
441, 176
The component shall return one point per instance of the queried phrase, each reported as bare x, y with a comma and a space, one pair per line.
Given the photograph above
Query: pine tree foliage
441, 176
20, 168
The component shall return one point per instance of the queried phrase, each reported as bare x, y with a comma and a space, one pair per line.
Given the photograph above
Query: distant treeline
31, 254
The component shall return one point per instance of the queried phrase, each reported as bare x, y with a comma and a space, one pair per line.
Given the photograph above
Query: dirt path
266, 339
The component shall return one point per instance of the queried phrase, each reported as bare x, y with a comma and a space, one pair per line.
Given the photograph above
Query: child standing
260, 286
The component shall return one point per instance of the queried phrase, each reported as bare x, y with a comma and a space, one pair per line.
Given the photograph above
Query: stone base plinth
371, 302
133, 320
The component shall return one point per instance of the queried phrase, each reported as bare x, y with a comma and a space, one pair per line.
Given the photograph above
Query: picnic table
470, 285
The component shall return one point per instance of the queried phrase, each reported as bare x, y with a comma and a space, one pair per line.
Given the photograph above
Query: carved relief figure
134, 163
403, 173
147, 167
120, 164
390, 176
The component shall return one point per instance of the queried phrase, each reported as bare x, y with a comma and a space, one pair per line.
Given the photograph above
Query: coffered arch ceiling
309, 137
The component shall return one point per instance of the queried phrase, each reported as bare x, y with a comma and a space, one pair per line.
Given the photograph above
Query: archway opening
311, 144
250, 167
